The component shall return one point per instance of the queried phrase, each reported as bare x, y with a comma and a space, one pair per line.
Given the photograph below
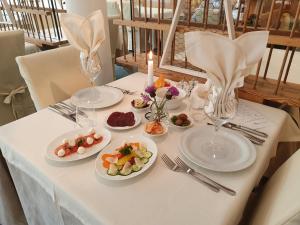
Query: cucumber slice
148, 154
143, 149
145, 160
113, 170
136, 168
126, 170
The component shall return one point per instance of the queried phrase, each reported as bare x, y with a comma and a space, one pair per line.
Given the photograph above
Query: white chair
15, 101
280, 201
53, 75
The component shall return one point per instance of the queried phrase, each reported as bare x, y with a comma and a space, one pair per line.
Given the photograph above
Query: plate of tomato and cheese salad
125, 159
78, 144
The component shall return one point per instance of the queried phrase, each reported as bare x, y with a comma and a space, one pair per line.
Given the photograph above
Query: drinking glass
221, 107
91, 68
86, 117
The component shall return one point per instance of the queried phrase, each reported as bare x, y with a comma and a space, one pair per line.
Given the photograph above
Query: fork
174, 167
186, 168
124, 91
71, 109
55, 109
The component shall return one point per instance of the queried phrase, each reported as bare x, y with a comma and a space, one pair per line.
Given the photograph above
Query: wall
84, 8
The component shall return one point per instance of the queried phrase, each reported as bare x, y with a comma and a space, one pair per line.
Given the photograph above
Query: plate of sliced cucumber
125, 159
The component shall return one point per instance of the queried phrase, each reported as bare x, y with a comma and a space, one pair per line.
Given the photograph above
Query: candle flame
150, 55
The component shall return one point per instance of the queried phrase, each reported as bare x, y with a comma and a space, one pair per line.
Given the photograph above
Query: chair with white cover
52, 76
15, 101
280, 200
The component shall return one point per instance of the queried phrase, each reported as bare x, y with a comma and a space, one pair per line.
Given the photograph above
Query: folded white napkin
226, 61
85, 34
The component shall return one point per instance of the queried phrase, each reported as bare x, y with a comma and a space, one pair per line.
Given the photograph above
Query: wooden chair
53, 75
39, 19
281, 18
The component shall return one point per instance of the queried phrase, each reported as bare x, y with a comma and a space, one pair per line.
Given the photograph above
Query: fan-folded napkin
226, 61
85, 34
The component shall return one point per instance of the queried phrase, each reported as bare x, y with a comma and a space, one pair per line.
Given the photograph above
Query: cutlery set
67, 111
180, 166
255, 136
124, 91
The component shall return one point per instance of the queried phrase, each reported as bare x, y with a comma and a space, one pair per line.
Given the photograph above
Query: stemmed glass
91, 68
221, 107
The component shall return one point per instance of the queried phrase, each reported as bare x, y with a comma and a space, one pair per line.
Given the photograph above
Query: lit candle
150, 69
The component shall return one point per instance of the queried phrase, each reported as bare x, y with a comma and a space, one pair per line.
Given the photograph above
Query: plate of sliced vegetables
125, 159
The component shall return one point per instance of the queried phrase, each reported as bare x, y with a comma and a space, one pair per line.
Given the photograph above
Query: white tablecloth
49, 192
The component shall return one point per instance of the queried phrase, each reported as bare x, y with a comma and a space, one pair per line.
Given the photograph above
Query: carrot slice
106, 164
105, 156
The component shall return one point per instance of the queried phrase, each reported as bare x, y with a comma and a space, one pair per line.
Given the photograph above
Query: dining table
72, 193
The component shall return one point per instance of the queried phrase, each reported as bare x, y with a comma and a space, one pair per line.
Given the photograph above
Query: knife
249, 130
61, 113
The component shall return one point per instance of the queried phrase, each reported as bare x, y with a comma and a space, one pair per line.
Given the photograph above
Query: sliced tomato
119, 155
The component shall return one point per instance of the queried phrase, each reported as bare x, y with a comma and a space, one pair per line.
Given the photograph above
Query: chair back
279, 203
15, 101
53, 75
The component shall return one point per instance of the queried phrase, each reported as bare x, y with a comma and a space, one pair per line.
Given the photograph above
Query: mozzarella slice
97, 136
72, 142
81, 150
65, 141
61, 153
89, 140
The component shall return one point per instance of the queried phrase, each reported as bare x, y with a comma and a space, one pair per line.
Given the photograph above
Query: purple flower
146, 98
151, 91
172, 91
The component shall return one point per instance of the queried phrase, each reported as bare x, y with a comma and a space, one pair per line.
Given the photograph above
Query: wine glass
91, 68
221, 107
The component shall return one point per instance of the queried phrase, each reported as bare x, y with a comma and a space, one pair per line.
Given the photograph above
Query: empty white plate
229, 152
97, 97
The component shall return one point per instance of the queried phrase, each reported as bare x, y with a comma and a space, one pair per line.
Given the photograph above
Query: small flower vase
157, 112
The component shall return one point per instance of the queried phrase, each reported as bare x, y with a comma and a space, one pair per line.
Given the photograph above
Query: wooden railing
38, 18
152, 19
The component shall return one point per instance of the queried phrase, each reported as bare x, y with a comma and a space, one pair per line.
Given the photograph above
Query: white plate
157, 135
107, 97
140, 110
74, 157
151, 146
137, 119
236, 153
